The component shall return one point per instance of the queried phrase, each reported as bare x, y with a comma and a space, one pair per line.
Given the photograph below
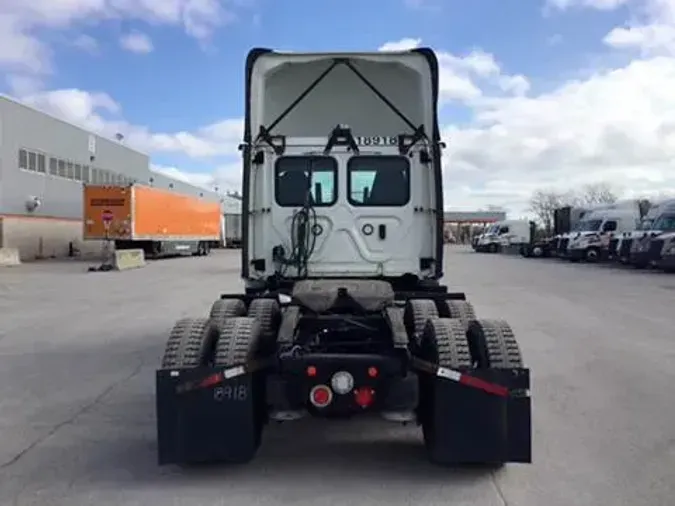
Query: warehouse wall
45, 159
49, 159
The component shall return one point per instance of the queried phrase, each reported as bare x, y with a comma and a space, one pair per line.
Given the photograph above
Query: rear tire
462, 310
191, 344
417, 314
493, 345
268, 315
238, 342
238, 345
222, 309
444, 343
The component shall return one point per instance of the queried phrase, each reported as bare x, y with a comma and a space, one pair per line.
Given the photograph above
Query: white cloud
98, 112
461, 77
21, 50
20, 84
400, 45
617, 126
650, 38
86, 43
651, 29
223, 178
605, 5
136, 42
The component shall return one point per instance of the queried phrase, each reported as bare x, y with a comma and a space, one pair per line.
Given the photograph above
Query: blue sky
524, 80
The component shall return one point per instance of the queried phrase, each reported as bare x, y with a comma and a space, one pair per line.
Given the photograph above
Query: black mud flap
207, 415
483, 416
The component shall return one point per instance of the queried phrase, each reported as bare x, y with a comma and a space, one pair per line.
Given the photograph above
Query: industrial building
43, 163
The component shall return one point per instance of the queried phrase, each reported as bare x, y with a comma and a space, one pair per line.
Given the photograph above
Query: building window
53, 170
62, 168
41, 163
78, 172
32, 161
70, 170
23, 159
85, 173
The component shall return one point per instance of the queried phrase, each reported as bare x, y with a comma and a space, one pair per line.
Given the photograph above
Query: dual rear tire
455, 340
232, 335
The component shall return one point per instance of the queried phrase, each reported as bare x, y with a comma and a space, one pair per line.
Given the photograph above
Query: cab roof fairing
275, 81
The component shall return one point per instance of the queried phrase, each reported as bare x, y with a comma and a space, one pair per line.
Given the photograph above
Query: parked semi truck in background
631, 248
505, 234
160, 222
590, 238
488, 241
565, 219
644, 248
516, 234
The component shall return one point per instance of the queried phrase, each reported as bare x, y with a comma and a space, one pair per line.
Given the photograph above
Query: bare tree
595, 193
543, 204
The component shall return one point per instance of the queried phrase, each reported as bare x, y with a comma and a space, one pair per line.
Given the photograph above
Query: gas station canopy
474, 217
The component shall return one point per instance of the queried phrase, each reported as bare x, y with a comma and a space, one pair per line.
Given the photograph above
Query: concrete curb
129, 259
9, 257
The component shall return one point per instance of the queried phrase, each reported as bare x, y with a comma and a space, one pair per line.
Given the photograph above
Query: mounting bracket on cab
341, 135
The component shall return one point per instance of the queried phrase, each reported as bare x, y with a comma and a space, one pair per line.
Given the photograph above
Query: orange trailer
160, 221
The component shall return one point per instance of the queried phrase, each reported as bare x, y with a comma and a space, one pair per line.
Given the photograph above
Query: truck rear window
378, 181
297, 177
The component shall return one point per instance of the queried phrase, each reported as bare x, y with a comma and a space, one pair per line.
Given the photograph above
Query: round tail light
321, 396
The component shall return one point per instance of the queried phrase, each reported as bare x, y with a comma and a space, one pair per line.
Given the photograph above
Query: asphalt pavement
78, 352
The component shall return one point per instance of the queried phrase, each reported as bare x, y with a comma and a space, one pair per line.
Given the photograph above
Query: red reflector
311, 371
321, 396
372, 372
209, 381
484, 385
364, 396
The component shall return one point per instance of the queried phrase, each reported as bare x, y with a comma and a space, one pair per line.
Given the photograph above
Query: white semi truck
643, 247
590, 238
504, 234
343, 313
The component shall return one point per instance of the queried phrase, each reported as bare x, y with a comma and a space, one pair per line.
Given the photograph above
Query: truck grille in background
655, 247
613, 243
562, 245
624, 250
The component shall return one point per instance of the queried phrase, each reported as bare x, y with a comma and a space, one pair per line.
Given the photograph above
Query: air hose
303, 240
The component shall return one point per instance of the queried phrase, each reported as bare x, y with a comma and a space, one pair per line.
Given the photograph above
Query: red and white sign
107, 218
